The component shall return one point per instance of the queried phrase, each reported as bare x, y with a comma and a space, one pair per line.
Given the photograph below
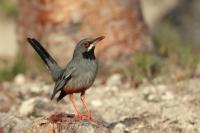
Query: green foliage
146, 65
143, 65
169, 45
9, 72
170, 50
8, 7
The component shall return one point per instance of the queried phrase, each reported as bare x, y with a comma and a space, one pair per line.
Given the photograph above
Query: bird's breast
84, 76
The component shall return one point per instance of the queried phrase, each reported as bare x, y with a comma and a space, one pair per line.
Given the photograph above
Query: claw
90, 117
86, 117
82, 116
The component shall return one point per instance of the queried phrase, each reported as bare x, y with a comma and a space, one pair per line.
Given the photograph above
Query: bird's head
86, 46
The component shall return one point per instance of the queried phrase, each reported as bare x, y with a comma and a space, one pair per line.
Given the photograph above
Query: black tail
55, 70
61, 95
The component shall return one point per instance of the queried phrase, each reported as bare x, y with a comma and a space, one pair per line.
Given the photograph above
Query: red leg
75, 108
86, 108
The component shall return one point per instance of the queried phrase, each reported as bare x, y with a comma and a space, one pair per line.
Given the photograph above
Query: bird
77, 76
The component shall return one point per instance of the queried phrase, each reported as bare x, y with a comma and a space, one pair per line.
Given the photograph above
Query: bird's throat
89, 55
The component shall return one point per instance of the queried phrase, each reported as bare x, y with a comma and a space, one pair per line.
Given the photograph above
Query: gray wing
63, 79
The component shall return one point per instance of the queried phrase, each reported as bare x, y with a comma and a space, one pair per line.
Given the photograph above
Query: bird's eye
86, 44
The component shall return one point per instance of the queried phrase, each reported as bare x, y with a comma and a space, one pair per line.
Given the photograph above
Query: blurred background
147, 37
148, 63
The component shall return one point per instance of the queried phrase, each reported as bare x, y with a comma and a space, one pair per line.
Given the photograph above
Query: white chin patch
90, 47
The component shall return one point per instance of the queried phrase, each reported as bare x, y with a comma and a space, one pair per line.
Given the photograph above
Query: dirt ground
157, 107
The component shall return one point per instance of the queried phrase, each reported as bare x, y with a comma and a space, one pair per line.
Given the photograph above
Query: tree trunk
60, 24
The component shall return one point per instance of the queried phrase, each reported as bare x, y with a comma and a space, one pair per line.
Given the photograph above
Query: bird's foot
81, 116
86, 117
90, 117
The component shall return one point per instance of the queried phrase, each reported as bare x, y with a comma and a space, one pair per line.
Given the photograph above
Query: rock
96, 103
157, 93
151, 94
19, 79
34, 106
34, 88
56, 123
114, 89
12, 124
7, 99
149, 89
31, 89
65, 123
46, 88
27, 107
167, 96
152, 98
119, 128
161, 87
114, 80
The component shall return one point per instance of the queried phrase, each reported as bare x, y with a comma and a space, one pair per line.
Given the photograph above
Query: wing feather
63, 80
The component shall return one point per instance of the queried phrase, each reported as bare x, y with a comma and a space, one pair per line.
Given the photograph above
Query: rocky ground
172, 107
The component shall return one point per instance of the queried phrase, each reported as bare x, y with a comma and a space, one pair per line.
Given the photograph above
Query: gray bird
78, 75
